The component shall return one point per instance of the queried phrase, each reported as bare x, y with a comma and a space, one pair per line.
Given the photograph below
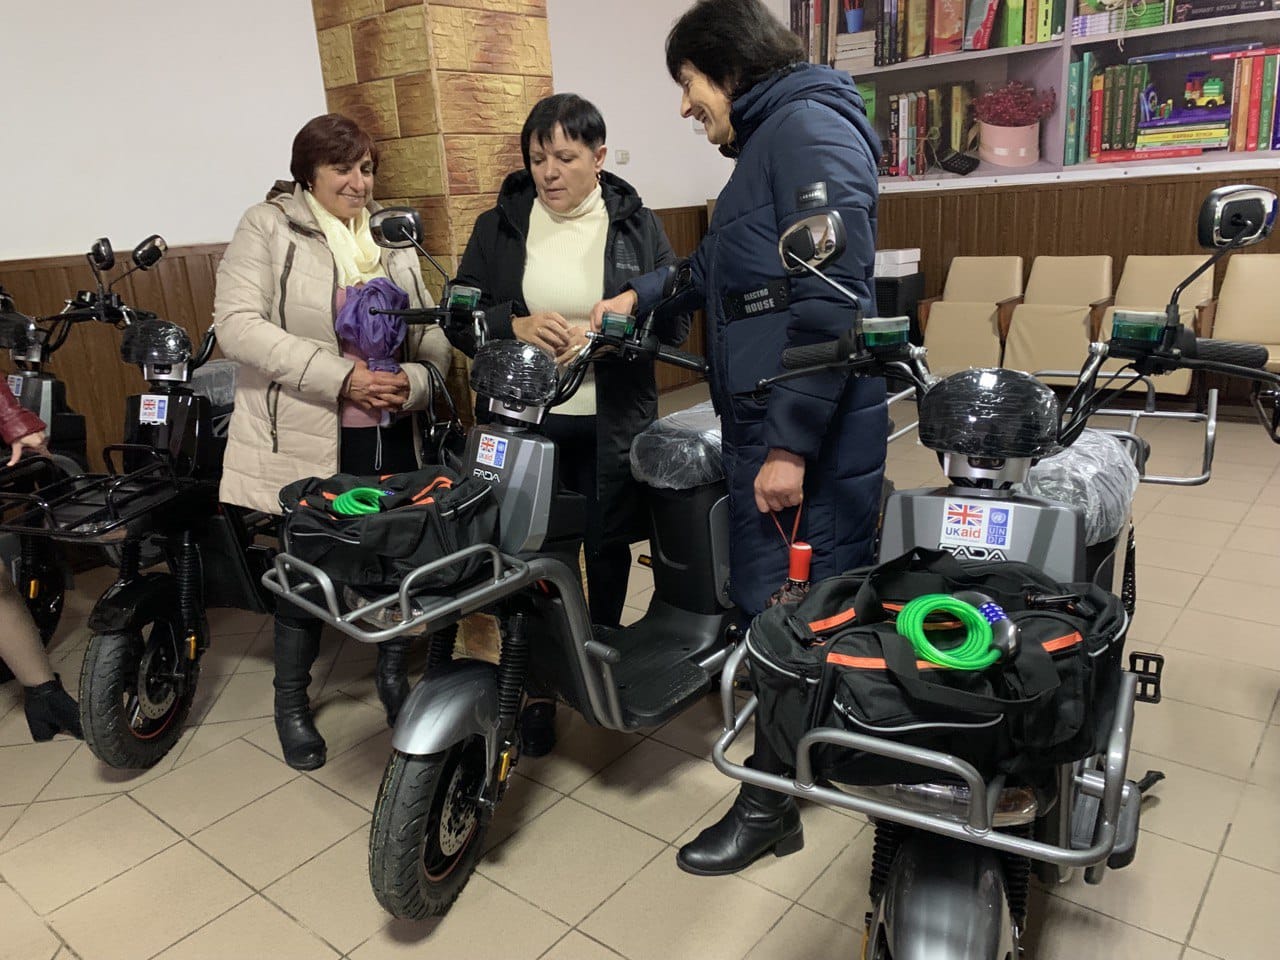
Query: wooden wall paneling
685, 227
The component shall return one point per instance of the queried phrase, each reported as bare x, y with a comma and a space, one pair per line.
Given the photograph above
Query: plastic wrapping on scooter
216, 381
155, 342
681, 451
1096, 474
514, 373
994, 414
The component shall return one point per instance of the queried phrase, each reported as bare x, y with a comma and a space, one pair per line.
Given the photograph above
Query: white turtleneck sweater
564, 273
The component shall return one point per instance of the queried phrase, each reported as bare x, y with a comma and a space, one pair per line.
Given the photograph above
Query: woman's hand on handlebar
780, 482
376, 390
624, 303
33, 442
577, 340
548, 331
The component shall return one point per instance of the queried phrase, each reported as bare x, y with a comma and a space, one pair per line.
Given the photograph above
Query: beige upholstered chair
1248, 305
1145, 285
1051, 328
963, 328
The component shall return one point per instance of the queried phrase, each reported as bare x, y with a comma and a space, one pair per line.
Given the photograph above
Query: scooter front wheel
135, 693
428, 829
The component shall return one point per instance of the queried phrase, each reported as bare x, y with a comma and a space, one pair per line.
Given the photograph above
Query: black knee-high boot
50, 709
391, 676
297, 642
759, 822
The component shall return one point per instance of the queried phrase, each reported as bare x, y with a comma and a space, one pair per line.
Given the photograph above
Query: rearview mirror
148, 253
396, 227
1236, 216
816, 241
101, 255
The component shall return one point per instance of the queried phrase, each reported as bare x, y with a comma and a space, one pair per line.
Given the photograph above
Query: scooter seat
681, 451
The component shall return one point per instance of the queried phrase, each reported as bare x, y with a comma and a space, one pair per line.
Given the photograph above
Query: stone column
444, 87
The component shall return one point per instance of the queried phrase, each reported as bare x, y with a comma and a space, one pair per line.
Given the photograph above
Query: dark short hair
736, 43
578, 118
331, 138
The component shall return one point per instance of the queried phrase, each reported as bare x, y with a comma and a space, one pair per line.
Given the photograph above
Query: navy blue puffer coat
803, 145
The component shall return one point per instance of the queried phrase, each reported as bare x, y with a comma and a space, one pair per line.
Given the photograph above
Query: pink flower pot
1009, 146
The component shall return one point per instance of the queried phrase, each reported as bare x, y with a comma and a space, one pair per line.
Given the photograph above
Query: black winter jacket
626, 393
803, 145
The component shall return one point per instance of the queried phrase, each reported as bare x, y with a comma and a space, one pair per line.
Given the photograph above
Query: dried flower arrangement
1014, 105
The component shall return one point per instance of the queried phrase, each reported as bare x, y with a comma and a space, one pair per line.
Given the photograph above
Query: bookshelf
1048, 64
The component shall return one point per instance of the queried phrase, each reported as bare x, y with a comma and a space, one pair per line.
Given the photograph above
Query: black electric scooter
39, 571
142, 664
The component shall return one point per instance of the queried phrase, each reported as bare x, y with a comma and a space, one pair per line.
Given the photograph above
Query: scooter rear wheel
428, 829
135, 693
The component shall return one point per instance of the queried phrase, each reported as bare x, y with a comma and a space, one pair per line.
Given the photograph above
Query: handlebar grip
1235, 352
818, 354
679, 358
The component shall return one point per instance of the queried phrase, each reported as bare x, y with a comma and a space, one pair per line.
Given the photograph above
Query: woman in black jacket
564, 234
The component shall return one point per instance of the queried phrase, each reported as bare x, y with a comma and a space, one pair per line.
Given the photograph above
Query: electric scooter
953, 857
456, 740
40, 572
149, 630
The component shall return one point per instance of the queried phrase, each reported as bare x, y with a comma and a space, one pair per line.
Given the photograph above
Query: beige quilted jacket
274, 313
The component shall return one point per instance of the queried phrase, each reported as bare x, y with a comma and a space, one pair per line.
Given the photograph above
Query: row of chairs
985, 318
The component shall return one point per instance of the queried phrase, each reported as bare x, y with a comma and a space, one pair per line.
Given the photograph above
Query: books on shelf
855, 52
1121, 114
1185, 11
948, 27
918, 122
1124, 17
979, 25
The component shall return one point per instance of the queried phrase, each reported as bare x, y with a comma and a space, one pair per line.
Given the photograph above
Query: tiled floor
222, 851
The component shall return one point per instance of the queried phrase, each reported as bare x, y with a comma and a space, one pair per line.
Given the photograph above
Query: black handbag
836, 660
424, 515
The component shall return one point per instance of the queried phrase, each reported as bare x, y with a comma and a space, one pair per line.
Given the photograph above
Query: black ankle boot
50, 709
538, 729
391, 676
296, 646
759, 822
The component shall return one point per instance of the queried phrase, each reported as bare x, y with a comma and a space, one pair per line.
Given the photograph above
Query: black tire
123, 728
418, 863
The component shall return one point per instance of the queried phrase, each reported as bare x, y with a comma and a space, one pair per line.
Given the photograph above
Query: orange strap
795, 527
877, 663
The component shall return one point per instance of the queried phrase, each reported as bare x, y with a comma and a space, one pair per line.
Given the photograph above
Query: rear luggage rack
90, 507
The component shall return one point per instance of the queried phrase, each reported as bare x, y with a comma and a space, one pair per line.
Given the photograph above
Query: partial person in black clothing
564, 234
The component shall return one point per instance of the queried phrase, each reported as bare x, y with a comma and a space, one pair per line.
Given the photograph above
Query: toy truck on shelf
1204, 90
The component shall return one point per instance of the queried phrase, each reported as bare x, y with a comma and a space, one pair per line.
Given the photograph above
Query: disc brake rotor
458, 816
155, 696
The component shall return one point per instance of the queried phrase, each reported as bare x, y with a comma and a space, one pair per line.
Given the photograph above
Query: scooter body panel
521, 465
128, 606
455, 701
945, 900
978, 525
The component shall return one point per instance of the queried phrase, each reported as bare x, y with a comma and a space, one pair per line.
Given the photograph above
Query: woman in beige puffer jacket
302, 408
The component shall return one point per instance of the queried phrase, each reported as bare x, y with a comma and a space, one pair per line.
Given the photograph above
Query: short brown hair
331, 138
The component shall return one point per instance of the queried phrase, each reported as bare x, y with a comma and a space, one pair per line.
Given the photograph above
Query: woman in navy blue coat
802, 144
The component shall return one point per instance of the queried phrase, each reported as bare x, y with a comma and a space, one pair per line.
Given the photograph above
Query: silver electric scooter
952, 859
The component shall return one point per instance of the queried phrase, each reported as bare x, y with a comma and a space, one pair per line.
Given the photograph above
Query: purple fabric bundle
375, 338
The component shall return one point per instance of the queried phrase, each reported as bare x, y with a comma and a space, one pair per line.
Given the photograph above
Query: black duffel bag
425, 515
836, 660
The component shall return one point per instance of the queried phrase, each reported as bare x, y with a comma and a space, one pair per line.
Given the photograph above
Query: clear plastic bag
681, 451
1095, 473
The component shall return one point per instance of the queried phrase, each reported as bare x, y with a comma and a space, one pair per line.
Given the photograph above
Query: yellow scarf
358, 258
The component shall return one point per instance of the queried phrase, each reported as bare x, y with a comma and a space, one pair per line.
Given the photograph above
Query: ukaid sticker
15, 384
153, 409
977, 530
492, 452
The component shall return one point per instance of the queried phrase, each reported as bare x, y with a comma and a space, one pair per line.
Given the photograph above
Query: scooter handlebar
819, 354
1234, 352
